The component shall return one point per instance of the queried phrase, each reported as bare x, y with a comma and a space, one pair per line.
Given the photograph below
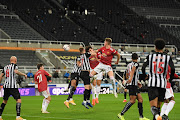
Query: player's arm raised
20, 73
1, 76
131, 74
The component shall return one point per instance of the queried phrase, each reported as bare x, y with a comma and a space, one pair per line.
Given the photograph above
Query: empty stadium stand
25, 57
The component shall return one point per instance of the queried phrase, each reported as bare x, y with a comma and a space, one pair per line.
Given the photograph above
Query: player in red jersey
105, 62
94, 61
41, 80
169, 97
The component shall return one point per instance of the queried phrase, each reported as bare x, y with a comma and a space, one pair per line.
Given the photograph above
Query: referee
10, 86
158, 67
85, 68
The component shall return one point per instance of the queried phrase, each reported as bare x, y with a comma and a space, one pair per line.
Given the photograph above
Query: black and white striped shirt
158, 67
135, 79
85, 65
76, 68
10, 76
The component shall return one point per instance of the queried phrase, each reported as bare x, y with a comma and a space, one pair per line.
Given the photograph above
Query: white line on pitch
48, 117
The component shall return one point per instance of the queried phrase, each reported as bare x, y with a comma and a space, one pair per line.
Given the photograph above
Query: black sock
125, 93
85, 94
89, 94
126, 108
72, 90
154, 111
2, 108
159, 111
140, 108
18, 108
69, 85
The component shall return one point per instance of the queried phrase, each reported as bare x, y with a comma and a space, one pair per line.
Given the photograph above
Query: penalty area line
58, 118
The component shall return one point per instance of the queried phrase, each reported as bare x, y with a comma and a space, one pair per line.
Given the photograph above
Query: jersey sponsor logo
104, 55
92, 59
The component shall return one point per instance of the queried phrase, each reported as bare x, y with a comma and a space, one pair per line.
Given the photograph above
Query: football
66, 47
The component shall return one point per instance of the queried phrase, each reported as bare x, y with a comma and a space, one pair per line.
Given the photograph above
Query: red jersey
107, 55
168, 77
93, 61
40, 77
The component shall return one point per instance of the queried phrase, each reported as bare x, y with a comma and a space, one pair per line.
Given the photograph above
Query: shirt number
161, 69
7, 73
39, 77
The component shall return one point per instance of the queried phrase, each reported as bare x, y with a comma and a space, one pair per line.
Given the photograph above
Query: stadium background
36, 30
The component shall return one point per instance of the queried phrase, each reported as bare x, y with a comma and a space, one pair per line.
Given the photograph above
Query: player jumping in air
134, 92
74, 79
41, 80
10, 86
95, 89
105, 62
158, 67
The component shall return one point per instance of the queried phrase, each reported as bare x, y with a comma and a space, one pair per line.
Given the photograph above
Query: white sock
70, 99
169, 107
17, 117
93, 91
43, 104
46, 104
114, 85
157, 116
84, 102
88, 101
0, 117
98, 91
163, 109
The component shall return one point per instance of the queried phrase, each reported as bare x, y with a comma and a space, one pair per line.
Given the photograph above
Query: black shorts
75, 76
154, 92
11, 91
133, 90
85, 77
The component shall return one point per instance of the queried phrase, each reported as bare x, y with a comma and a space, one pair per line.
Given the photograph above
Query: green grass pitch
107, 109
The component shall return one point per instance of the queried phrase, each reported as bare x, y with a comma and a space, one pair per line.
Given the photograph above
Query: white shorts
98, 76
46, 93
169, 93
102, 67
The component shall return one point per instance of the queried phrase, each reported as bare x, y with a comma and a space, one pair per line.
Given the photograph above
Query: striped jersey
10, 76
85, 65
158, 67
76, 68
135, 79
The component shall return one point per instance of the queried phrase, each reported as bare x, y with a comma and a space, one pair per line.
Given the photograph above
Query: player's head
134, 56
159, 44
89, 49
40, 66
107, 41
13, 59
81, 50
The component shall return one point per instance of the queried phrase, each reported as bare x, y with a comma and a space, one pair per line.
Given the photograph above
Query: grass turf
107, 109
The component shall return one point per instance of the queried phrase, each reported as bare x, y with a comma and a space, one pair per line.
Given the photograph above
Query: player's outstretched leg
93, 95
18, 110
88, 98
125, 94
85, 98
46, 103
140, 107
97, 93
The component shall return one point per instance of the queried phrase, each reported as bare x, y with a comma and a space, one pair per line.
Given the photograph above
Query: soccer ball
66, 47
